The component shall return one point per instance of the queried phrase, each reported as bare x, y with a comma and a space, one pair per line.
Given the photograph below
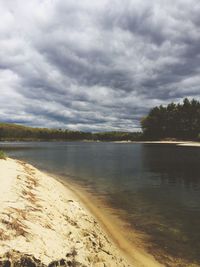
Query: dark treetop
181, 121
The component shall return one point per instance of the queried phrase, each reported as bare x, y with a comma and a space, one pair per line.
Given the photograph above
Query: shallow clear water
157, 186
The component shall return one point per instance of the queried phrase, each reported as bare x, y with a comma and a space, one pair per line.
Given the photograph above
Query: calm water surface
157, 186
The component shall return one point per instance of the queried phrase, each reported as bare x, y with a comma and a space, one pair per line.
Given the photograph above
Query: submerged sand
43, 223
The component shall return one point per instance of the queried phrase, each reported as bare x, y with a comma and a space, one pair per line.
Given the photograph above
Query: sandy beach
44, 223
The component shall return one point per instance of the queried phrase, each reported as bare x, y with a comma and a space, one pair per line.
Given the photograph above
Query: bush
2, 155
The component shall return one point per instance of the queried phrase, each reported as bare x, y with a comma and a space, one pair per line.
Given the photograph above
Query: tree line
180, 121
14, 132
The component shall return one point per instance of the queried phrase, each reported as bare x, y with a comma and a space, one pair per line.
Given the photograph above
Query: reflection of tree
174, 165
165, 205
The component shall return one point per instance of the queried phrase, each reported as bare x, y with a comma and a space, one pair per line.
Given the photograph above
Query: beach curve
46, 223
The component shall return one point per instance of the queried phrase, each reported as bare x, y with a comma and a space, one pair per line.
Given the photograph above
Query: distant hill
15, 132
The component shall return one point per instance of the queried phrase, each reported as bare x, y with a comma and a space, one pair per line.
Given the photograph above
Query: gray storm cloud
96, 65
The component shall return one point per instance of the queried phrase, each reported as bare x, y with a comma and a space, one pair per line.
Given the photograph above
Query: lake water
155, 186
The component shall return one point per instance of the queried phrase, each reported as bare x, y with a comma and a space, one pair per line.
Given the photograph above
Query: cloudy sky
96, 65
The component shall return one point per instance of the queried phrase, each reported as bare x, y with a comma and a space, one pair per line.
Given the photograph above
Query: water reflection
173, 164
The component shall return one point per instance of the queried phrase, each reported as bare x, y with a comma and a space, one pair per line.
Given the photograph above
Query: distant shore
44, 222
178, 143
175, 142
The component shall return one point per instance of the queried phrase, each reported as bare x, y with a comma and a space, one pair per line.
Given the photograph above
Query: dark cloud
96, 65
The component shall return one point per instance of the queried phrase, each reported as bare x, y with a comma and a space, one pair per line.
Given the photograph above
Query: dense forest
180, 121
22, 133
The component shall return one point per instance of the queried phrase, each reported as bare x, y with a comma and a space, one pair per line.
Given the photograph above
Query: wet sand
132, 247
133, 244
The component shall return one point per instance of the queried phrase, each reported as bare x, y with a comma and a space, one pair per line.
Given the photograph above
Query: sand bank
43, 223
192, 144
178, 143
